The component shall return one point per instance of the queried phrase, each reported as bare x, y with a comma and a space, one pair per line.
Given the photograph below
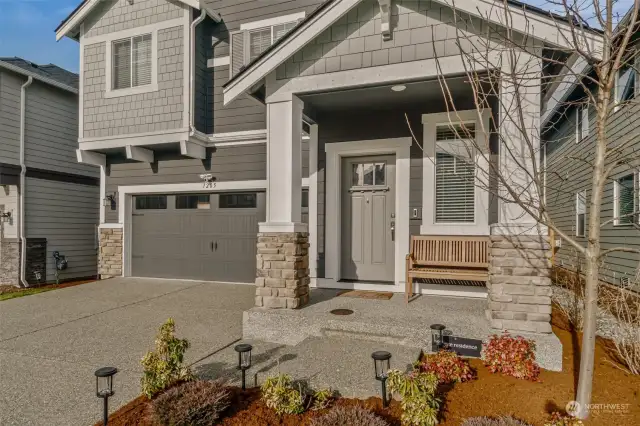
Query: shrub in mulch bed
512, 356
197, 403
351, 416
559, 419
448, 366
491, 421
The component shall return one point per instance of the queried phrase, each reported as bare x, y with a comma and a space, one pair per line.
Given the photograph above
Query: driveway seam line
99, 313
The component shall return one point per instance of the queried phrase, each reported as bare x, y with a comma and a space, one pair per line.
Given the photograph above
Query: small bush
559, 419
490, 421
196, 403
447, 366
321, 399
417, 390
512, 356
349, 416
163, 367
279, 394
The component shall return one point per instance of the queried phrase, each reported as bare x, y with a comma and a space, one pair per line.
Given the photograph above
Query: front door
368, 218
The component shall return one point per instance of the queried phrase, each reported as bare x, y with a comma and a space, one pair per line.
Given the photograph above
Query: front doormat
366, 294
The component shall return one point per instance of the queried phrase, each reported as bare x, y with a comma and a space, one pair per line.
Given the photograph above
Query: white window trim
616, 101
616, 197
278, 20
153, 87
480, 225
582, 123
578, 194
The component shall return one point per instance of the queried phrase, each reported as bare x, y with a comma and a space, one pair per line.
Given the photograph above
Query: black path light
104, 388
244, 360
382, 365
436, 337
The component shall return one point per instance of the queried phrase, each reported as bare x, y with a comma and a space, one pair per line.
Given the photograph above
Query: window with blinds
581, 213
247, 45
131, 62
625, 207
455, 174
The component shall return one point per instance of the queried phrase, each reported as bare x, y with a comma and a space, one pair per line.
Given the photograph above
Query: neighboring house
48, 201
179, 99
569, 140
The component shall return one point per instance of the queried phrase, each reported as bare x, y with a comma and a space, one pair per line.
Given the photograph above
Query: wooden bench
447, 258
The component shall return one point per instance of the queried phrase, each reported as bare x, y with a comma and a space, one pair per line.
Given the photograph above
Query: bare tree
507, 67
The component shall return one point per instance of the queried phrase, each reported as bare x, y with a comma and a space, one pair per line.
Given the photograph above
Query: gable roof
490, 10
70, 25
50, 73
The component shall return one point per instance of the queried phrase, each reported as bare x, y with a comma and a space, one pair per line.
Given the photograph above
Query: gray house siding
9, 203
203, 80
10, 117
234, 163
567, 174
244, 113
66, 214
51, 131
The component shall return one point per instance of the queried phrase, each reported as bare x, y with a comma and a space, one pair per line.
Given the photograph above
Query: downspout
23, 173
192, 71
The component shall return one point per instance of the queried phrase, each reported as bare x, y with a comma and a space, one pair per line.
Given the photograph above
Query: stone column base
282, 280
9, 261
110, 256
519, 287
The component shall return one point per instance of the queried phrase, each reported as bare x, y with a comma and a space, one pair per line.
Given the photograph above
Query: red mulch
13, 289
488, 395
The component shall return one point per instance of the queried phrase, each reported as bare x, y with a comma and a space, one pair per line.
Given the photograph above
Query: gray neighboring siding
118, 15
235, 163
66, 215
567, 175
10, 117
146, 112
421, 30
244, 113
51, 131
203, 80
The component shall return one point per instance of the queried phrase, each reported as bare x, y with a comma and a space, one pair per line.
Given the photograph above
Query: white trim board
221, 61
400, 147
426, 289
278, 20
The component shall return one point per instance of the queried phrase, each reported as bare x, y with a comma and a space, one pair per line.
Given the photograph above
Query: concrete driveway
51, 343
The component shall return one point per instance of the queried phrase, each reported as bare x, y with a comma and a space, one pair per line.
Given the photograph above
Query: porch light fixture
104, 388
399, 88
436, 337
5, 217
244, 360
109, 200
382, 365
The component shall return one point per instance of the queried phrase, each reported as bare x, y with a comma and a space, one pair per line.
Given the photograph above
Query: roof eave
35, 76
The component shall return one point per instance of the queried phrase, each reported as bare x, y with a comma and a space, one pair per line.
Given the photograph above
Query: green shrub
491, 421
417, 390
197, 403
559, 419
321, 399
163, 367
279, 394
448, 366
349, 416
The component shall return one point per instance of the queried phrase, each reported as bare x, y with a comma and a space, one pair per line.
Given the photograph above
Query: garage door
208, 237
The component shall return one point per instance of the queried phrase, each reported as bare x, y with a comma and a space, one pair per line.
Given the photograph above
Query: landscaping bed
11, 292
487, 394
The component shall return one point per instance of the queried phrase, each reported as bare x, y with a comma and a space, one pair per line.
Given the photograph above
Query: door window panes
151, 202
185, 202
368, 174
238, 201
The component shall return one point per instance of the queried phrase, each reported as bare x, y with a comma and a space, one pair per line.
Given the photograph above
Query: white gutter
23, 172
192, 71
27, 73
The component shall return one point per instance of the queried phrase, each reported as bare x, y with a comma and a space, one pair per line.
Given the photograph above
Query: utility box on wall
36, 265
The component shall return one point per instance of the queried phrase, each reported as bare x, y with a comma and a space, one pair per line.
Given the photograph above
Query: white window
581, 213
626, 82
255, 37
455, 173
582, 122
625, 205
131, 62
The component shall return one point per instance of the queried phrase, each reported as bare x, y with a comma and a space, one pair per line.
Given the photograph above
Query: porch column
519, 283
282, 279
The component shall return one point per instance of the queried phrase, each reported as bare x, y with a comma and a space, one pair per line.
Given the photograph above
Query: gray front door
368, 216
209, 237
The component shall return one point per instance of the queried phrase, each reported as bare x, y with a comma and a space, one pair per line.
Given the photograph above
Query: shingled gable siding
141, 113
567, 175
420, 30
243, 113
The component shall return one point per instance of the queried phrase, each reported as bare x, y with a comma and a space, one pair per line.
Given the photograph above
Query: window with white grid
455, 173
131, 62
625, 206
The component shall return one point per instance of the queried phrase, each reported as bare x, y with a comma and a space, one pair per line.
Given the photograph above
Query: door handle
216, 246
393, 231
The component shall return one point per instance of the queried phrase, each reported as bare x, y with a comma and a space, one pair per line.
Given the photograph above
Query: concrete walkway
51, 343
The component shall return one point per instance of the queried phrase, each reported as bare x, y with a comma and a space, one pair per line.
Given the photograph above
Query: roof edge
38, 77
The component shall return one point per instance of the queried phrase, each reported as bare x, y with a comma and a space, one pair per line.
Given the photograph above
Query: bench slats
447, 257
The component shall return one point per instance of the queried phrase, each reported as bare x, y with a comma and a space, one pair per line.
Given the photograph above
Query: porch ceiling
382, 97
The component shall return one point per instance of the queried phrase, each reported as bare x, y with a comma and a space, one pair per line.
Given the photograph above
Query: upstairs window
131, 62
627, 85
455, 174
256, 37
581, 213
582, 123
625, 206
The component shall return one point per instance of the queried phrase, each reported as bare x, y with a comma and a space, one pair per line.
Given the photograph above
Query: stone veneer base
110, 257
9, 261
282, 276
